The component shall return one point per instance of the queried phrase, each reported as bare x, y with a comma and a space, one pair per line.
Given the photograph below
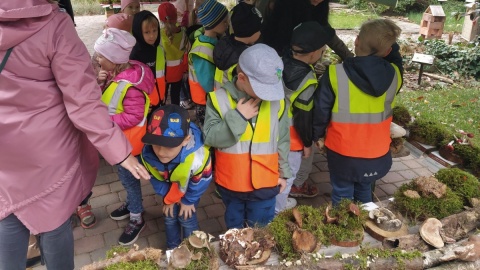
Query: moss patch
462, 183
401, 116
140, 265
428, 132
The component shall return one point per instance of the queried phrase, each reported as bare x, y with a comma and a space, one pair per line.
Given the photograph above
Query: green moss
470, 156
429, 206
116, 250
462, 183
428, 132
140, 265
401, 116
400, 255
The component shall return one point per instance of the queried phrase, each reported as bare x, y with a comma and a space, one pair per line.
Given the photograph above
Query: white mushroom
430, 232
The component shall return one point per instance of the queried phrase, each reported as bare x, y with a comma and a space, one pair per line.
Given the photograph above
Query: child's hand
282, 183
102, 76
307, 151
320, 144
186, 210
168, 210
249, 108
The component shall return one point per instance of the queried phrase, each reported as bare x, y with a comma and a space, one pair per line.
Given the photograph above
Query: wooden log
438, 77
391, 263
407, 242
446, 254
459, 225
457, 265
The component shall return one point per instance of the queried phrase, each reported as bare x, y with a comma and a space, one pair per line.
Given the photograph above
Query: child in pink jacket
127, 99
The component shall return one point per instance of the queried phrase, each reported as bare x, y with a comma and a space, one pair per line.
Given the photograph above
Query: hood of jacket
372, 74
227, 51
142, 51
139, 75
196, 142
294, 72
21, 19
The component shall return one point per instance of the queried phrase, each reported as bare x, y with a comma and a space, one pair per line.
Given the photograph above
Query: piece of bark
430, 185
459, 225
391, 263
407, 242
458, 265
132, 255
446, 254
438, 77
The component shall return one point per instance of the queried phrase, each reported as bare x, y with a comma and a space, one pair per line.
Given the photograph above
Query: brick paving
108, 193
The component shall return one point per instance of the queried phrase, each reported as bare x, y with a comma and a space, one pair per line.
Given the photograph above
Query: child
130, 7
201, 69
127, 100
307, 47
180, 166
175, 42
353, 111
146, 30
247, 124
246, 23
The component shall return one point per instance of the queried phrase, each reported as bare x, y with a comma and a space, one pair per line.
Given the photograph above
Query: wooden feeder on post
470, 27
432, 23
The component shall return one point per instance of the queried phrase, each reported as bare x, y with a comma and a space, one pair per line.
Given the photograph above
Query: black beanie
246, 20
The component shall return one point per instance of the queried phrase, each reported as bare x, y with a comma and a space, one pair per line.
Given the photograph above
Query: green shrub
426, 207
470, 156
462, 183
429, 132
401, 116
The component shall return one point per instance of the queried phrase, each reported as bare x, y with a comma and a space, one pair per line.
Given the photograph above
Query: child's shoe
187, 104
132, 231
121, 213
291, 202
303, 191
86, 216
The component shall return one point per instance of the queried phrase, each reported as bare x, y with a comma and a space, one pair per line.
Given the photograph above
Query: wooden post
422, 59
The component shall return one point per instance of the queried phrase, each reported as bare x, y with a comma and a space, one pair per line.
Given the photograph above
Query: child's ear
186, 140
387, 51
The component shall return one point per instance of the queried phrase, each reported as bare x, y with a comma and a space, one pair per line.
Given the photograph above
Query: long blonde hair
120, 68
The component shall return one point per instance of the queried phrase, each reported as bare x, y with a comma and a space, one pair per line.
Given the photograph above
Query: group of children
259, 113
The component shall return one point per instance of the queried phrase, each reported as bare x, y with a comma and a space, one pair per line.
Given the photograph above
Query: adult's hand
138, 171
248, 108
282, 183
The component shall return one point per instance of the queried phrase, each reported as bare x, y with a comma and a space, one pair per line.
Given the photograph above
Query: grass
338, 19
455, 107
451, 25
87, 7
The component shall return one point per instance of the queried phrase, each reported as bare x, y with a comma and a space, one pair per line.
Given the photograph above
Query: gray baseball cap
264, 69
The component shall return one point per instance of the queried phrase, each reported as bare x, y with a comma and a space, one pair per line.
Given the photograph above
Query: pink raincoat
51, 117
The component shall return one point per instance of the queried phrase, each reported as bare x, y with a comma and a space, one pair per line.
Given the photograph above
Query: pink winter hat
115, 45
120, 21
125, 3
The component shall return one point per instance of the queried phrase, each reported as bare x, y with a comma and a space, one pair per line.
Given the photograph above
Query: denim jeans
56, 246
344, 188
177, 226
294, 160
240, 213
133, 188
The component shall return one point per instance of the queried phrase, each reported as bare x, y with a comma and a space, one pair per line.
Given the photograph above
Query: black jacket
142, 51
227, 52
372, 75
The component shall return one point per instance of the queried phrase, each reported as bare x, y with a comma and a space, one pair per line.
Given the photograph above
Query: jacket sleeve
134, 108
74, 75
198, 185
284, 146
205, 72
302, 119
323, 101
222, 133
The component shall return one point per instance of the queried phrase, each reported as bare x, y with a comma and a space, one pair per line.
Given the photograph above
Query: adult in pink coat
52, 122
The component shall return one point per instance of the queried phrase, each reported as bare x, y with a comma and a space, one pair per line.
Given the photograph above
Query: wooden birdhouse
432, 23
470, 27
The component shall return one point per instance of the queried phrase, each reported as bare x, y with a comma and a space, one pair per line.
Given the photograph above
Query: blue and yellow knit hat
211, 13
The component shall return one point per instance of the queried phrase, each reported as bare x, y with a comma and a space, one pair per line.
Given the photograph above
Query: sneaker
291, 202
187, 104
121, 213
304, 191
131, 233
86, 216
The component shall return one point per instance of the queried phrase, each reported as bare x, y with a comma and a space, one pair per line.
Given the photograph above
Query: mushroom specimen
385, 219
180, 257
430, 232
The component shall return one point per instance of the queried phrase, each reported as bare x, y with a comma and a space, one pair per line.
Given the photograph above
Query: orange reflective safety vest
203, 50
180, 175
251, 163
113, 96
223, 76
158, 94
360, 123
302, 99
175, 55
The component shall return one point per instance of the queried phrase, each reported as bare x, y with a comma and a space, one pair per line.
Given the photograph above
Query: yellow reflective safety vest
113, 97
360, 123
223, 76
301, 99
203, 50
180, 175
251, 163
158, 94
175, 55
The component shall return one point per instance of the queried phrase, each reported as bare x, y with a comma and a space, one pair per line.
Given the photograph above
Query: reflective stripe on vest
175, 55
223, 76
158, 92
251, 163
360, 123
113, 97
180, 175
296, 143
203, 50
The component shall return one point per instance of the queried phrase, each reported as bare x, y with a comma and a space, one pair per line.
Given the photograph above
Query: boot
33, 253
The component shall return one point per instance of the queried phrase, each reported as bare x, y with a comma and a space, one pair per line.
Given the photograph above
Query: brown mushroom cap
303, 241
181, 257
197, 256
430, 232
195, 241
298, 217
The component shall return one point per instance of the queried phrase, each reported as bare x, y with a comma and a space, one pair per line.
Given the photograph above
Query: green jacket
222, 133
